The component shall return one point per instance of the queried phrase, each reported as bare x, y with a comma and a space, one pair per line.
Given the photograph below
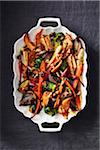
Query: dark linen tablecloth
18, 132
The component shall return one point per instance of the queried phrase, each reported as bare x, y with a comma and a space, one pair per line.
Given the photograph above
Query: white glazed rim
42, 117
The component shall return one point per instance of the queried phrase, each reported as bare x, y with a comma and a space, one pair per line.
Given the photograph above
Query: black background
81, 132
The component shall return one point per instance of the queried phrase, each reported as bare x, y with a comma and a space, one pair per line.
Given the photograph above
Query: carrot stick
57, 101
78, 74
43, 66
37, 108
38, 37
70, 86
28, 42
78, 102
57, 67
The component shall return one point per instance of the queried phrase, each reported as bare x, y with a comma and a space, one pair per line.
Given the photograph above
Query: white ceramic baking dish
43, 117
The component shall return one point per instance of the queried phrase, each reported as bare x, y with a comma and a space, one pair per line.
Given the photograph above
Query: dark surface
81, 132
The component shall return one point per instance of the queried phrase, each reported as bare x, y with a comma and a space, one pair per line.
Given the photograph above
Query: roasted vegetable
50, 73
45, 97
28, 42
23, 86
38, 37
25, 58
37, 63
50, 111
64, 65
28, 98
58, 49
51, 86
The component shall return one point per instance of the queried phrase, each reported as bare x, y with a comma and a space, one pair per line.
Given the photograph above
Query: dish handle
49, 19
50, 129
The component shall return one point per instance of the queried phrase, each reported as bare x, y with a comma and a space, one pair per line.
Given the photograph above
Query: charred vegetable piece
63, 108
59, 92
28, 98
28, 42
56, 67
23, 86
32, 108
80, 57
44, 43
77, 45
67, 43
20, 70
51, 86
37, 108
25, 58
41, 79
78, 102
58, 37
45, 97
51, 79
48, 42
31, 58
37, 63
63, 66
38, 37
78, 74
70, 86
58, 49
50, 111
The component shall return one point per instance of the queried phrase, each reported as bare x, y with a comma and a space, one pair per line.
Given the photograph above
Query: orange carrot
40, 87
78, 102
70, 86
37, 108
57, 101
48, 42
78, 74
28, 42
43, 66
57, 67
38, 37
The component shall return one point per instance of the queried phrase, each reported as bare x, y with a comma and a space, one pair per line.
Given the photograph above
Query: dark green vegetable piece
50, 111
44, 87
57, 37
63, 66
51, 86
47, 110
37, 63
32, 108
